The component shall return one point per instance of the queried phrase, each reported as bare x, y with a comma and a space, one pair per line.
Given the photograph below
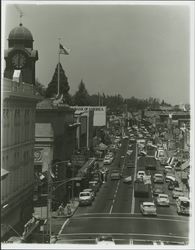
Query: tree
81, 97
52, 88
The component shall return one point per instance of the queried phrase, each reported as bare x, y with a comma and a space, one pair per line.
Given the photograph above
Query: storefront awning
4, 172
185, 165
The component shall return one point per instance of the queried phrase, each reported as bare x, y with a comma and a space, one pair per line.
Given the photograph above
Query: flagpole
58, 68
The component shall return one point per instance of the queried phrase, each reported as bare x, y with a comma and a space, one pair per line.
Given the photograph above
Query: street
116, 212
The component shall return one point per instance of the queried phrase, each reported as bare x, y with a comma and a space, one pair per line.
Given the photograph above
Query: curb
66, 216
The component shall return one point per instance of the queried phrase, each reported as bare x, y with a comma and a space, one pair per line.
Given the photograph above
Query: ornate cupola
20, 55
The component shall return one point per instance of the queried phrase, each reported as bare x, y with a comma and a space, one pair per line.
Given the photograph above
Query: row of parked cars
87, 196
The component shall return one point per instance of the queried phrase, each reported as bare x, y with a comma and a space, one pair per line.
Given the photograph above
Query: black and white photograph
97, 125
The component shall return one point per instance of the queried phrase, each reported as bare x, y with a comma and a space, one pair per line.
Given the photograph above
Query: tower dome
20, 35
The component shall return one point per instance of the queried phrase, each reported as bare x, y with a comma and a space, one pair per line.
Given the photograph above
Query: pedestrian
61, 209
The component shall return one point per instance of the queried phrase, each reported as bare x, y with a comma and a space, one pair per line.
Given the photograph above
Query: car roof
183, 198
87, 190
147, 203
168, 166
163, 195
178, 189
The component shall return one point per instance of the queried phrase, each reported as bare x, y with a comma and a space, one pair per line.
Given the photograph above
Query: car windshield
163, 196
178, 190
149, 206
84, 194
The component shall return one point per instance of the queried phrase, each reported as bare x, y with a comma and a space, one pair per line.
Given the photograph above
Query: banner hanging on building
99, 118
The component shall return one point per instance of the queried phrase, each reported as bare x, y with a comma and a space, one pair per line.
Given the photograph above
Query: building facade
18, 132
56, 148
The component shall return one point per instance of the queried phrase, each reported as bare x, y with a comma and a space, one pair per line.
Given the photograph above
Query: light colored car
141, 174
170, 178
177, 192
91, 191
148, 208
183, 206
158, 178
163, 200
85, 198
108, 160
127, 179
168, 169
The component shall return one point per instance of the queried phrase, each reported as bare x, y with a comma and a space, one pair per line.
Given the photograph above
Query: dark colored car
158, 190
173, 184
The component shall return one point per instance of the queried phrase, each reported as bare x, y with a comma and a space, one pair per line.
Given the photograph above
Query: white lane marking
133, 198
110, 209
63, 226
131, 218
131, 234
114, 198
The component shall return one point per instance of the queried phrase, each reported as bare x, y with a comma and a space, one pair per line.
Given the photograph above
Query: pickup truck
141, 189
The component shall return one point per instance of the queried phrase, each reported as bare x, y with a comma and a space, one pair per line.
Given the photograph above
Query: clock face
18, 60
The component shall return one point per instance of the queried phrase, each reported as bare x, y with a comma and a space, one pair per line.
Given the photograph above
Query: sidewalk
67, 211
178, 175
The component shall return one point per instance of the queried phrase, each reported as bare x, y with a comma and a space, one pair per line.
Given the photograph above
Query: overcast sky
139, 51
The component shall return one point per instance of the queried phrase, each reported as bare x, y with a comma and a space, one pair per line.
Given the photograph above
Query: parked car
158, 178
148, 208
170, 177
115, 175
163, 200
108, 160
177, 192
158, 190
85, 198
173, 184
94, 185
91, 191
168, 169
183, 206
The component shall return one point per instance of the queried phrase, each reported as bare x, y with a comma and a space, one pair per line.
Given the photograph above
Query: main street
115, 212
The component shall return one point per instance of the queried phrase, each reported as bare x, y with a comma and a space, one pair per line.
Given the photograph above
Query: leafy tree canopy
81, 97
52, 88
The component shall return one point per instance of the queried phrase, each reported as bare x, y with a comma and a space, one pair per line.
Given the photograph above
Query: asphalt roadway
116, 213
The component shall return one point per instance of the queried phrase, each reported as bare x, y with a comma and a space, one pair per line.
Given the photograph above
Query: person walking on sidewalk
69, 209
61, 210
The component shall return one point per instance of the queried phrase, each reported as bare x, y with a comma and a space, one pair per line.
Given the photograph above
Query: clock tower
20, 55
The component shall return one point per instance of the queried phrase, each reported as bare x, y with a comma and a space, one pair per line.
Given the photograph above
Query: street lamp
51, 190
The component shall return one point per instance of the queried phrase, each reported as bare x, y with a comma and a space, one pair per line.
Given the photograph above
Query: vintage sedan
148, 208
158, 178
183, 206
91, 191
177, 192
163, 200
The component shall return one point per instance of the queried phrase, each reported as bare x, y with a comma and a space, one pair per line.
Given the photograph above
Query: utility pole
49, 204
